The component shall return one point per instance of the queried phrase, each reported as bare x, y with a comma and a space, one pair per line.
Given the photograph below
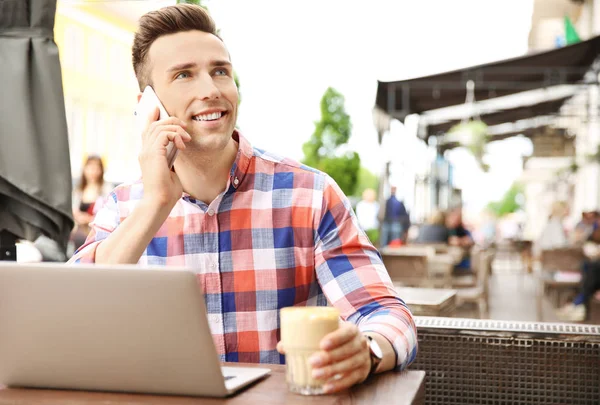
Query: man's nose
207, 88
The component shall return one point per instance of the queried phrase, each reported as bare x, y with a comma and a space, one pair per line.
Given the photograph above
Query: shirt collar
240, 165
242, 160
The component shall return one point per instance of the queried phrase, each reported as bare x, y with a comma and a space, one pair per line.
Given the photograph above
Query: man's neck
204, 175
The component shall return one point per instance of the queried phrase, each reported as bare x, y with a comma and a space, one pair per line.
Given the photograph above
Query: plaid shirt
281, 234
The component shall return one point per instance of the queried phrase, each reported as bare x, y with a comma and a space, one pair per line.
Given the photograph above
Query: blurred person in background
367, 211
458, 235
434, 230
585, 227
575, 311
396, 220
87, 198
553, 234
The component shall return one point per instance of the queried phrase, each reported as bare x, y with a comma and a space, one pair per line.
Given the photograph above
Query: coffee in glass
302, 329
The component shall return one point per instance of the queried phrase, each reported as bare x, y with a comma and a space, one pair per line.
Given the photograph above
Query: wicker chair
468, 279
478, 293
487, 362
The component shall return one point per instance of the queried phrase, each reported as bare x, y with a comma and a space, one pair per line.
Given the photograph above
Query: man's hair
168, 20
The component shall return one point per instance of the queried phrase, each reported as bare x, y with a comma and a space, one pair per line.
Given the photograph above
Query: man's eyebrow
221, 63
182, 66
192, 65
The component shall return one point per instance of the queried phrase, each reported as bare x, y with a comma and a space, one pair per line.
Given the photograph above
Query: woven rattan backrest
471, 361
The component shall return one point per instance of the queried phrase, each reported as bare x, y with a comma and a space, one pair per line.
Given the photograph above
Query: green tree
326, 150
366, 179
512, 201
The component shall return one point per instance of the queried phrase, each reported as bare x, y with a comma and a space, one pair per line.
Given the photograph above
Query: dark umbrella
35, 171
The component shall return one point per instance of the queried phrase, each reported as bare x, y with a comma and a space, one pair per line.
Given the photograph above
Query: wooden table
428, 301
408, 267
422, 265
403, 388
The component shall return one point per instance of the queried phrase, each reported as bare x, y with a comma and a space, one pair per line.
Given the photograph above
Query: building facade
573, 177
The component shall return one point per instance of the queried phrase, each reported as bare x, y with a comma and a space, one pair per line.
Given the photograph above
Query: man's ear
139, 96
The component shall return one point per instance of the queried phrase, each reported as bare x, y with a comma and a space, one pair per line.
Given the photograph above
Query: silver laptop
121, 328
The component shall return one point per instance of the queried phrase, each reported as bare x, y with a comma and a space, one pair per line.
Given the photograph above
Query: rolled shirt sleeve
354, 279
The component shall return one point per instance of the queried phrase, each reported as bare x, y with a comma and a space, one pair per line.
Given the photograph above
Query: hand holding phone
162, 136
146, 106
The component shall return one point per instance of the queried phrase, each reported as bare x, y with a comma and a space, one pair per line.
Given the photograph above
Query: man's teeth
209, 117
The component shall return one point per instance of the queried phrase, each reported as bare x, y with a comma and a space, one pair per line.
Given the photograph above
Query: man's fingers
171, 128
154, 125
169, 121
159, 129
344, 334
345, 382
360, 360
356, 345
179, 143
170, 132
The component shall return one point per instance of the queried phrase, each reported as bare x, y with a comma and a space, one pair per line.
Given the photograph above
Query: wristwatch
375, 352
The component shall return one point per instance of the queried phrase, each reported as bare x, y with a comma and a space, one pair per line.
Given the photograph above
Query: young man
261, 232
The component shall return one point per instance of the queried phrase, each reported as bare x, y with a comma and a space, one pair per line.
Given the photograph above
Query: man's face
192, 76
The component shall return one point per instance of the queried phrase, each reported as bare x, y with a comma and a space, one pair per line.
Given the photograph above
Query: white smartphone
146, 105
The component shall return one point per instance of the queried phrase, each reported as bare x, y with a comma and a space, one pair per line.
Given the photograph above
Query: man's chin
211, 141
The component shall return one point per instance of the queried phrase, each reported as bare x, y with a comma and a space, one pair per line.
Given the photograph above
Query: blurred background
287, 57
440, 120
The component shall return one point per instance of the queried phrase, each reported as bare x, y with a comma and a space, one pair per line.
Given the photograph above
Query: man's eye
221, 72
182, 75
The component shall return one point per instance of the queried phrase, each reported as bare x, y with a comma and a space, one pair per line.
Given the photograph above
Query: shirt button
236, 181
211, 212
214, 265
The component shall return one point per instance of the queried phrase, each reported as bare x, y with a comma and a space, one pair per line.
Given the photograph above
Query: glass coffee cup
302, 329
